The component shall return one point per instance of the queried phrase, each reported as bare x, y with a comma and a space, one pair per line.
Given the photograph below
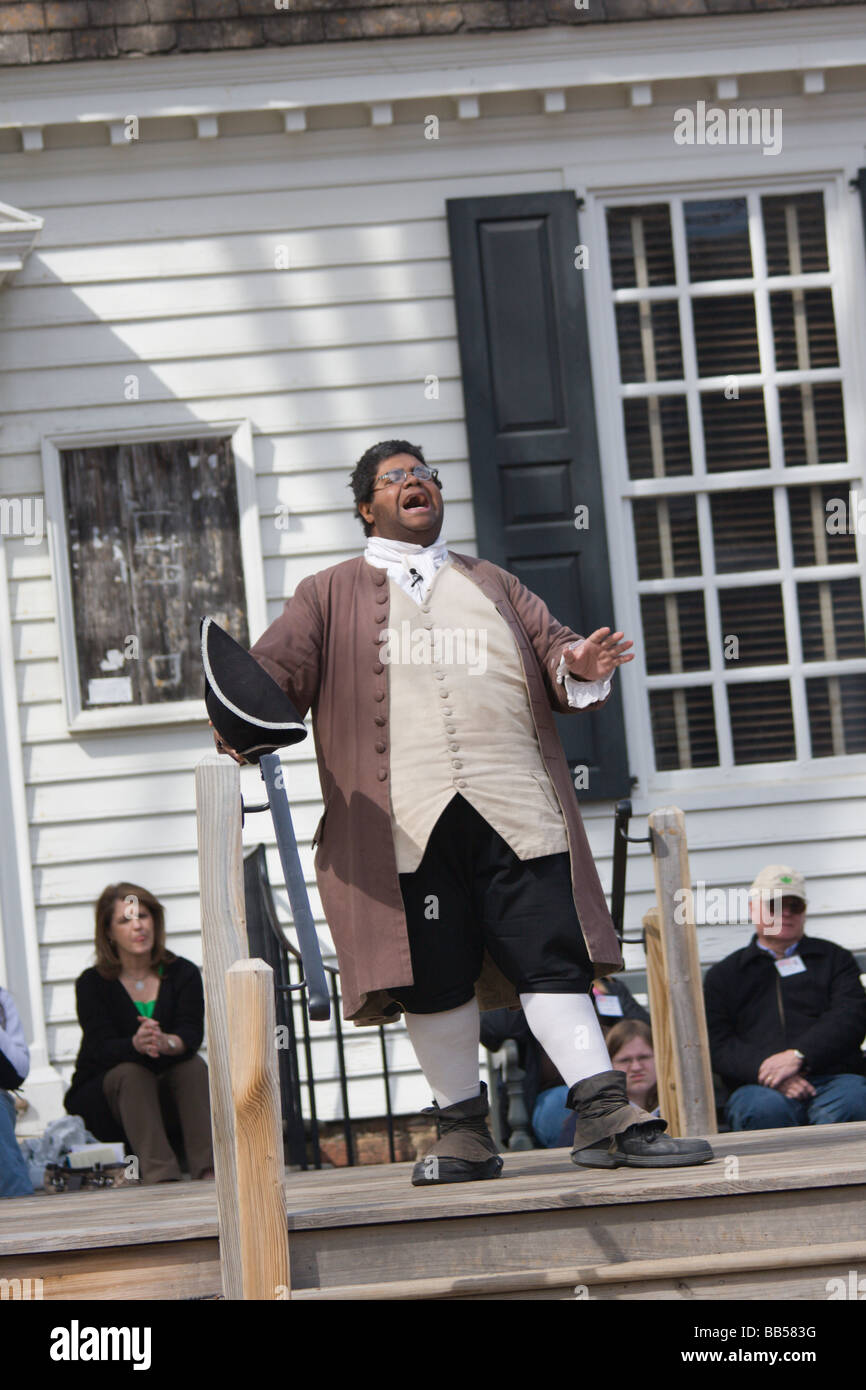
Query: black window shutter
533, 450
860, 182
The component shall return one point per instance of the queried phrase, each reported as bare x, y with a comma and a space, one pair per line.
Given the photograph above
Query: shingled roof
62, 31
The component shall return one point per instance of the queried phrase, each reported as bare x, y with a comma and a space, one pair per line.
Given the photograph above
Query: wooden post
224, 940
675, 987
264, 1241
659, 1007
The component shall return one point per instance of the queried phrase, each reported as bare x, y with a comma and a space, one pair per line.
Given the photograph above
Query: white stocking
446, 1045
568, 1029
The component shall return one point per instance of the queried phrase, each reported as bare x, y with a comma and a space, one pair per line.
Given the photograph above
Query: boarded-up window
154, 543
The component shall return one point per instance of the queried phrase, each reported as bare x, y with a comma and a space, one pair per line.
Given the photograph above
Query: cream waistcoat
460, 722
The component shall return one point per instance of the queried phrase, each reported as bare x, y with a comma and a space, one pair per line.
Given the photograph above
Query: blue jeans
839, 1098
552, 1122
14, 1178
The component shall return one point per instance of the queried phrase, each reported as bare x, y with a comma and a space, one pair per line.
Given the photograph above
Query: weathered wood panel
154, 544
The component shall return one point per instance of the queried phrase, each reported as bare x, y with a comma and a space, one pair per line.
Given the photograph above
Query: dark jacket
109, 1018
754, 1012
498, 1025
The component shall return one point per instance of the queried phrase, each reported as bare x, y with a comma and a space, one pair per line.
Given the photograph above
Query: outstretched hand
598, 655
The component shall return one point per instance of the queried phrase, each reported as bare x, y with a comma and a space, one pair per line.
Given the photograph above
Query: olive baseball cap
778, 878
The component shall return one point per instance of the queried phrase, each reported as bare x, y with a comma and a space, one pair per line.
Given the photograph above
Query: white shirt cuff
580, 694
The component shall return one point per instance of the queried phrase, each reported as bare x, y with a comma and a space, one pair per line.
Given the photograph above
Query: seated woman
141, 1010
630, 1045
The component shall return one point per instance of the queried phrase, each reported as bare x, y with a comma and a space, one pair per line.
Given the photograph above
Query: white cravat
399, 558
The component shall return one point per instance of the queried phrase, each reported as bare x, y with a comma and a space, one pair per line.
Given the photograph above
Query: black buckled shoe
465, 1150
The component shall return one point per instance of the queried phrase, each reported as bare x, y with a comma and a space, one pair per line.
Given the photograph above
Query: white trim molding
80, 720
628, 57
18, 233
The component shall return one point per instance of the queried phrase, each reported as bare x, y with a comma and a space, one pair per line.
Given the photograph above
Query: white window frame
79, 719
845, 243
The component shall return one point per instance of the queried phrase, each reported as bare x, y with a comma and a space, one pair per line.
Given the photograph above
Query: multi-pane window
732, 406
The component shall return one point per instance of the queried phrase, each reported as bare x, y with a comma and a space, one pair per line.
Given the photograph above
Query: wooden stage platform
775, 1215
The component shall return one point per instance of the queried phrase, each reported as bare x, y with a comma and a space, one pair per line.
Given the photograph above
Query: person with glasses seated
786, 1017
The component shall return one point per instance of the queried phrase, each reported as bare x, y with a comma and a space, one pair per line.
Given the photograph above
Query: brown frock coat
323, 650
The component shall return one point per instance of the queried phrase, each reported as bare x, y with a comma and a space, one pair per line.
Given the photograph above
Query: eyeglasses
399, 475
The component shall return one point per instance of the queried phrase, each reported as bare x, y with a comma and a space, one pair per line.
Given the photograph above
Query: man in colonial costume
451, 858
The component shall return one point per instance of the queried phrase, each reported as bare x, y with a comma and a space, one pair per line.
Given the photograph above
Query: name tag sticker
790, 965
609, 1005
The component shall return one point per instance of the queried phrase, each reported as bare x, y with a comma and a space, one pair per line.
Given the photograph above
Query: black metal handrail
268, 941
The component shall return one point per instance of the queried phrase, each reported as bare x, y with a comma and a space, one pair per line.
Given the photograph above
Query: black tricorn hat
246, 706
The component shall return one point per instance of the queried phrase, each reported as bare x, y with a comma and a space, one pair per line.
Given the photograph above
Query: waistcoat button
378, 668
459, 782
381, 598
380, 747
379, 719
380, 617
379, 695
455, 763
383, 773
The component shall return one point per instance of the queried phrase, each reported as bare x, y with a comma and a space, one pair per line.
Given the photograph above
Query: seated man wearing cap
786, 1017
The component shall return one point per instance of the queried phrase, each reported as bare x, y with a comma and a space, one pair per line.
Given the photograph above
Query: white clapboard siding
199, 257
198, 378
260, 291
281, 331
160, 262
111, 218
326, 409
287, 453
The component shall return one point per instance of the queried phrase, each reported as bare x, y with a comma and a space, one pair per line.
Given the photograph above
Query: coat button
380, 747
383, 773
380, 577
381, 598
378, 668
380, 617
379, 719
379, 695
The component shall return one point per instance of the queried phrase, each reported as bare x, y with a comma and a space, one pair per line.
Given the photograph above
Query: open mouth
416, 501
